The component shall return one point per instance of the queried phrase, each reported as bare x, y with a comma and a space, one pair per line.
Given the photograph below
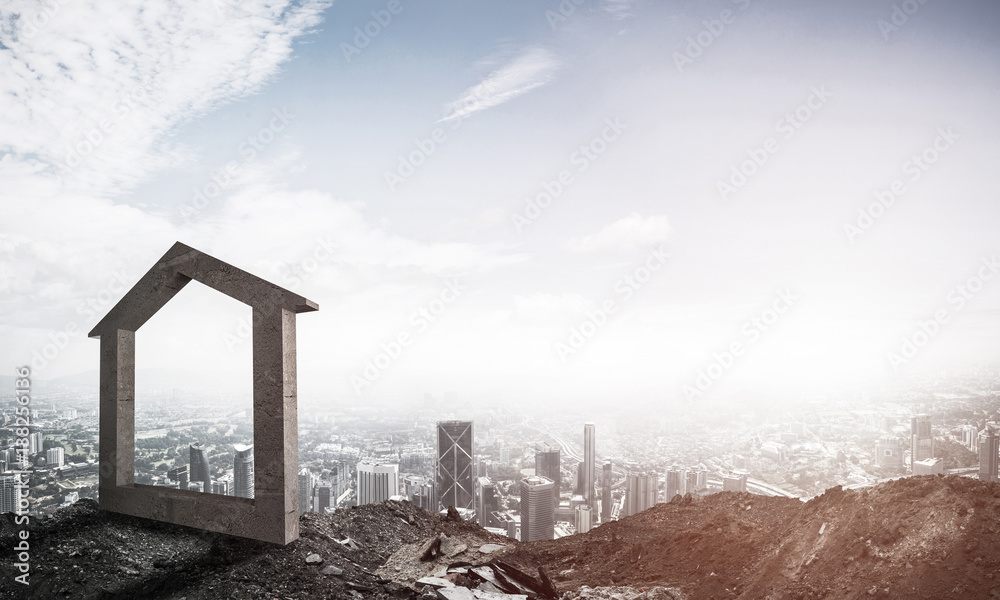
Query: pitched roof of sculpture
175, 269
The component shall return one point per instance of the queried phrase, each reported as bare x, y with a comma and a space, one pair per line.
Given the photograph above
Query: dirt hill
918, 537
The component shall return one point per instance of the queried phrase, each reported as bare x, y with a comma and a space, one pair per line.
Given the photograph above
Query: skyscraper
377, 482
243, 471
675, 483
538, 517
547, 465
420, 491
306, 482
455, 465
10, 493
199, 470
584, 519
989, 453
606, 492
640, 492
55, 457
321, 497
35, 443
921, 439
486, 501
589, 456
180, 475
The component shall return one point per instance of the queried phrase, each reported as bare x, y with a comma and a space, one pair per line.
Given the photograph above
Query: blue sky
741, 138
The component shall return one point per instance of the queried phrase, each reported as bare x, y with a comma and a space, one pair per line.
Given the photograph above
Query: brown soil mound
918, 537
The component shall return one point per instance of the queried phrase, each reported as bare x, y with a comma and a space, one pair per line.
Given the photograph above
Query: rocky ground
918, 537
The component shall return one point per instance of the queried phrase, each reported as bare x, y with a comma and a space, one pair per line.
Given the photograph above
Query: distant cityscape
525, 476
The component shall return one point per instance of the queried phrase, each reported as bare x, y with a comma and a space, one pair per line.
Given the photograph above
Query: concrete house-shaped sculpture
272, 515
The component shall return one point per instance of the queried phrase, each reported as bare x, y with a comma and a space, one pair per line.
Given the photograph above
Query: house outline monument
272, 515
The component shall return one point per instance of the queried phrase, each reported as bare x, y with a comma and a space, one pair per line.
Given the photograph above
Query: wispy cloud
532, 68
91, 90
618, 9
629, 235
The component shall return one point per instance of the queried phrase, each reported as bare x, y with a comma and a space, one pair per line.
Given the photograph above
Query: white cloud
618, 9
533, 68
625, 236
95, 87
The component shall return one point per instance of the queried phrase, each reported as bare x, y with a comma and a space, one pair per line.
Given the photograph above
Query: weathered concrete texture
272, 515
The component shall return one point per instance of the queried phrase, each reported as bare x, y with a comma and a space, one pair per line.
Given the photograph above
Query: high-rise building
889, 453
377, 482
734, 482
199, 470
306, 482
676, 481
989, 452
589, 458
691, 481
606, 492
538, 517
223, 486
243, 471
921, 439
420, 491
547, 465
321, 497
55, 457
640, 492
486, 501
970, 437
180, 475
584, 519
455, 465
35, 445
10, 493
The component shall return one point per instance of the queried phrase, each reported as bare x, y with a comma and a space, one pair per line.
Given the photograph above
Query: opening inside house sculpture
272, 514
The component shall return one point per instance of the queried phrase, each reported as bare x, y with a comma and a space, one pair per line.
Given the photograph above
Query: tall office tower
889, 453
222, 486
180, 475
691, 481
735, 482
55, 457
589, 456
989, 452
584, 519
675, 483
243, 471
921, 439
547, 465
538, 515
306, 482
321, 497
377, 482
420, 491
35, 443
606, 492
199, 470
486, 501
970, 437
455, 466
10, 493
640, 492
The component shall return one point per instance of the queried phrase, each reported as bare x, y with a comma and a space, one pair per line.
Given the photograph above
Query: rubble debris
435, 582
332, 570
490, 548
314, 559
